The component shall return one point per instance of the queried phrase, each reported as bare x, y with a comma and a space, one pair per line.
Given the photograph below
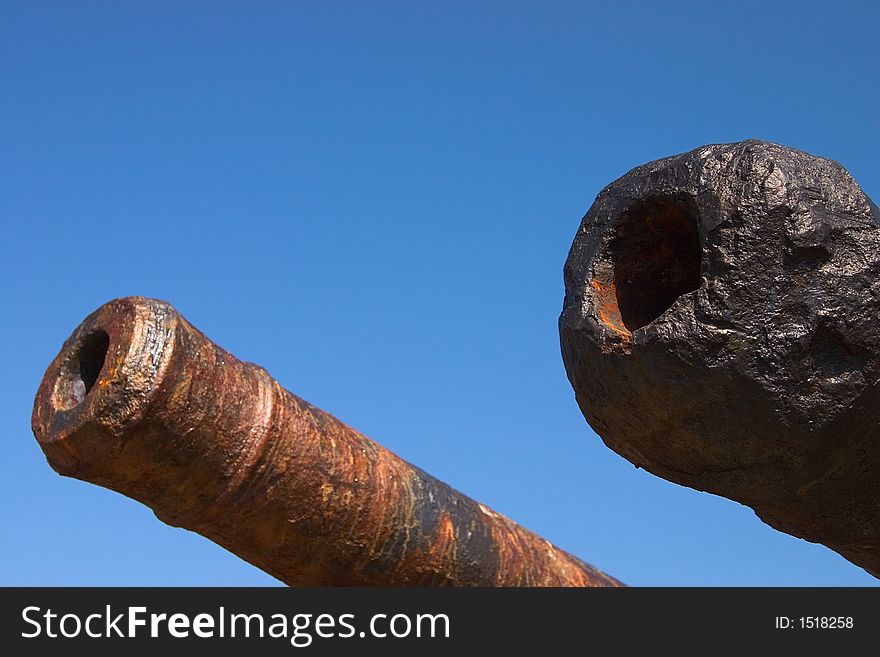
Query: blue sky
375, 201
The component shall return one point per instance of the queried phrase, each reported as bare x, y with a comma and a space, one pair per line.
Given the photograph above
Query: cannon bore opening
80, 373
655, 256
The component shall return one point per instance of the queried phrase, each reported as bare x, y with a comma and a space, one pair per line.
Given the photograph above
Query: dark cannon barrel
141, 402
721, 329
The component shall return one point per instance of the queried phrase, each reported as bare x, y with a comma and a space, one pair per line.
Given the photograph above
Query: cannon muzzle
141, 402
721, 329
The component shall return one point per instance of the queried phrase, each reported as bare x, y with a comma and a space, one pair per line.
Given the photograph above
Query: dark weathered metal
721, 329
141, 402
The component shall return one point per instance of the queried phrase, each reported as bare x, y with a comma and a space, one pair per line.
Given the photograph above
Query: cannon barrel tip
140, 401
721, 329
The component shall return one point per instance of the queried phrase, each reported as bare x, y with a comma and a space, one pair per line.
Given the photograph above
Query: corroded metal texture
141, 402
721, 329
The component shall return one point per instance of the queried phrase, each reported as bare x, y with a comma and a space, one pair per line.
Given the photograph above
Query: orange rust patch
606, 305
444, 542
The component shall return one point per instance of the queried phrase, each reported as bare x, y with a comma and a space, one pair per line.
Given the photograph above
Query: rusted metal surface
141, 402
721, 329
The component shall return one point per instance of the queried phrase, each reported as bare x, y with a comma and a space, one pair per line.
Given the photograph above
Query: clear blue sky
375, 201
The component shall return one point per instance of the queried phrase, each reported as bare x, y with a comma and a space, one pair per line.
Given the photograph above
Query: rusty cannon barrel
721, 329
141, 402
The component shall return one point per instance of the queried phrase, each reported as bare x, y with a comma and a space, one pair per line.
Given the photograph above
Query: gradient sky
375, 201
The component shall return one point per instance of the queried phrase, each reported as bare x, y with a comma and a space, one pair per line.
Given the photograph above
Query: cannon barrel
721, 329
141, 402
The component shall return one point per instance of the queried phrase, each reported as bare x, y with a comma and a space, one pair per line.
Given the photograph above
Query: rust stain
606, 305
